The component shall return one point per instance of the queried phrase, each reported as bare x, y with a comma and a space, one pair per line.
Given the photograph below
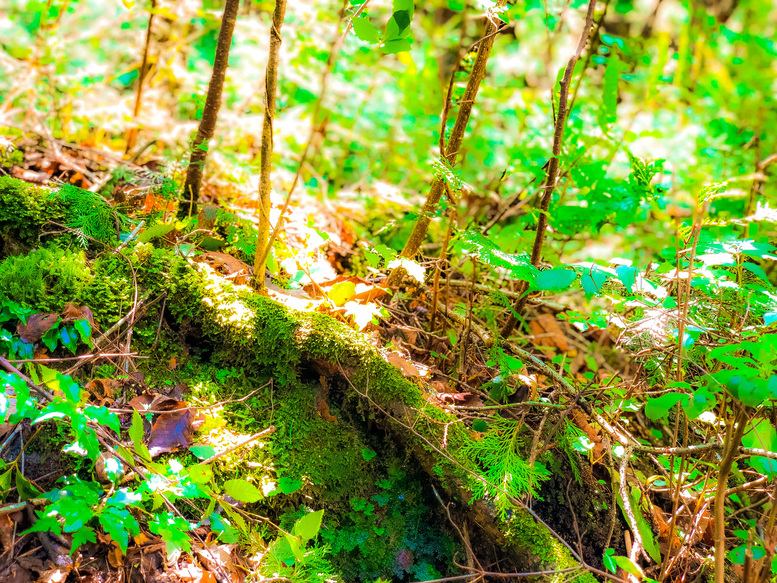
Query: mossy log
327, 376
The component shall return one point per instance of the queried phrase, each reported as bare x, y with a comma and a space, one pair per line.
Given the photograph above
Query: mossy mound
349, 425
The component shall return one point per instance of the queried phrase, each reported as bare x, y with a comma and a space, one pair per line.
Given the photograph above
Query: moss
525, 532
24, 209
45, 278
238, 330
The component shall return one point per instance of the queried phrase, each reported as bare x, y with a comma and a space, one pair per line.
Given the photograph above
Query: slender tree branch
451, 150
553, 165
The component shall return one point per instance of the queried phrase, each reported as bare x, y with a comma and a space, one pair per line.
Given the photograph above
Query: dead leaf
321, 404
228, 266
37, 325
72, 313
407, 368
547, 332
171, 431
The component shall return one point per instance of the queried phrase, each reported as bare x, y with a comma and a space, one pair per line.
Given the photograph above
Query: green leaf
85, 534
200, 473
212, 244
203, 451
368, 454
398, 25
627, 275
659, 407
84, 329
489, 253
136, 434
366, 31
289, 485
69, 338
629, 566
25, 489
558, 278
609, 562
761, 435
480, 426
392, 47
154, 231
593, 280
308, 526
243, 490
104, 417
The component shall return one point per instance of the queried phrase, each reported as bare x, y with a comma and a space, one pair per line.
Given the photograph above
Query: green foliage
45, 278
506, 473
24, 209
90, 215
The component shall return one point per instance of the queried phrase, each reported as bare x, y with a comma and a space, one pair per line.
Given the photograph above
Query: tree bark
265, 182
210, 113
451, 151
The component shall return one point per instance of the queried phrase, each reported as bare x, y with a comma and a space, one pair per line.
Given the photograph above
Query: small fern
506, 474
90, 215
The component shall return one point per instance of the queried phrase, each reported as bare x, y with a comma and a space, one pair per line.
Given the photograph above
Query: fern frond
506, 474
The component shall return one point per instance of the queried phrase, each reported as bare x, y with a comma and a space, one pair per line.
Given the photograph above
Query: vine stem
553, 166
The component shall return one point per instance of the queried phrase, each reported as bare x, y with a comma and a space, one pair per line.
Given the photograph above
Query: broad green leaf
761, 435
392, 47
593, 280
25, 489
104, 417
243, 491
627, 275
308, 526
289, 485
368, 454
136, 434
200, 473
558, 278
203, 451
659, 407
629, 566
84, 329
154, 231
366, 31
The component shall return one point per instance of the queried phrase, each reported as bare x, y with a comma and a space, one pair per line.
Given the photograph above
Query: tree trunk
265, 178
210, 113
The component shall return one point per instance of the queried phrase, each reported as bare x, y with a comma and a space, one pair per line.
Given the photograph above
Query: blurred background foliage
689, 83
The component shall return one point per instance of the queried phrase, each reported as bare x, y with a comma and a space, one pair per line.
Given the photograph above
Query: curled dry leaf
228, 266
37, 325
71, 313
547, 332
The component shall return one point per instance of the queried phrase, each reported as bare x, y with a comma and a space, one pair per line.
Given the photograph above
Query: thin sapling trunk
265, 183
553, 165
437, 188
210, 113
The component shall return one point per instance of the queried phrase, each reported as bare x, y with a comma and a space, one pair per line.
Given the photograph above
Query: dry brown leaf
72, 313
37, 325
228, 266
407, 368
547, 332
